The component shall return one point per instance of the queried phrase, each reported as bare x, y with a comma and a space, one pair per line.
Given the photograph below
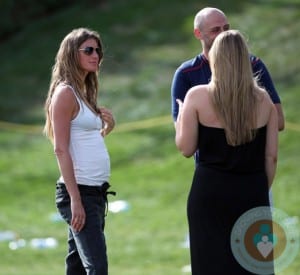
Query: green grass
144, 45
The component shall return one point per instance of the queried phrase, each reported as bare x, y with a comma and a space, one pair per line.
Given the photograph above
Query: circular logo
264, 238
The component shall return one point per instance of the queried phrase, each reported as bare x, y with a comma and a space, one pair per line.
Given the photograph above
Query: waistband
90, 188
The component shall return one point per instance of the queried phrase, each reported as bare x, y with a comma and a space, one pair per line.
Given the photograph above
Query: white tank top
87, 148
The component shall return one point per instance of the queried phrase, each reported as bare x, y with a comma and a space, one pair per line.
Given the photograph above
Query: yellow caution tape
124, 127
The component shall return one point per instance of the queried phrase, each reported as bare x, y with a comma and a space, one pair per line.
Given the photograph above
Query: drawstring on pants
104, 190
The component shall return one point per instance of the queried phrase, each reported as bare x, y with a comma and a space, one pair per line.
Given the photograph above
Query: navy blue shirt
196, 71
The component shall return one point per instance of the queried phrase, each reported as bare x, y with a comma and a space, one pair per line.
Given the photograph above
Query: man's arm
280, 116
264, 78
179, 89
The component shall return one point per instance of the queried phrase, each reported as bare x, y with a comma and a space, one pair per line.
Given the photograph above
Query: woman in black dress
233, 124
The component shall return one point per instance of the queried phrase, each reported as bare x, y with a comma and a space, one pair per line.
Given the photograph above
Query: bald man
208, 23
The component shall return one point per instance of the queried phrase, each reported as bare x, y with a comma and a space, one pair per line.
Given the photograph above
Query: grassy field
144, 43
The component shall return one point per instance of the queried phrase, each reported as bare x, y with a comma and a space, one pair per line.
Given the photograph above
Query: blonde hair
67, 70
233, 87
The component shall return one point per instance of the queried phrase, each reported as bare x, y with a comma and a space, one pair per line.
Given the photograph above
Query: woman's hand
108, 119
180, 105
78, 215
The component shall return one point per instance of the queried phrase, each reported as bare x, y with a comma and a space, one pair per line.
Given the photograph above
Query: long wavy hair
233, 87
67, 70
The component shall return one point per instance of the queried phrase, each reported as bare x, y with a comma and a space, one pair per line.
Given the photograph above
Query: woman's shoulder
198, 91
264, 97
265, 106
199, 97
64, 94
64, 89
200, 87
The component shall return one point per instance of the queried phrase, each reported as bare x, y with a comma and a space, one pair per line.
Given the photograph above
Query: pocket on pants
61, 195
62, 200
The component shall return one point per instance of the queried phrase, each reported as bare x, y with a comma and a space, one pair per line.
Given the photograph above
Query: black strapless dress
228, 181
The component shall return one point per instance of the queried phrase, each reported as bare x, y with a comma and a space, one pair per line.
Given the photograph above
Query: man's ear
197, 34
